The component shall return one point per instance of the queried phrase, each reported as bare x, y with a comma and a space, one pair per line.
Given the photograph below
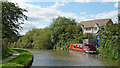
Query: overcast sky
41, 13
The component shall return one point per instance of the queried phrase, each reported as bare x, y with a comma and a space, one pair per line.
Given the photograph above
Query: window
74, 46
80, 47
95, 28
88, 29
77, 46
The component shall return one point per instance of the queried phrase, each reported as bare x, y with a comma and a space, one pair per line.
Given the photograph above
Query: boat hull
82, 48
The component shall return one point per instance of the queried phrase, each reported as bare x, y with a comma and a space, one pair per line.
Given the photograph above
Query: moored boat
87, 48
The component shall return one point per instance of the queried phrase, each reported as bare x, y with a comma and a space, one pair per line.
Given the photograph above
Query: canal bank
68, 58
23, 60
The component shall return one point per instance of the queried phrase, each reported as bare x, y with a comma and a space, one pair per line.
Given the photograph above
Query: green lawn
21, 60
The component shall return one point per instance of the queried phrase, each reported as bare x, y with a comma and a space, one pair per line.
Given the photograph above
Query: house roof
92, 23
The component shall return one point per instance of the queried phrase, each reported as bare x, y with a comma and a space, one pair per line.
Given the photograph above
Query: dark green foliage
21, 60
12, 18
118, 17
88, 36
63, 32
8, 54
110, 41
59, 26
59, 35
35, 38
42, 39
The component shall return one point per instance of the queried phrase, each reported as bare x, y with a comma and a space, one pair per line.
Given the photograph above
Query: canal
68, 58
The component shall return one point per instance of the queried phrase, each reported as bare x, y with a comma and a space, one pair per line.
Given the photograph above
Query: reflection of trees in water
67, 58
108, 62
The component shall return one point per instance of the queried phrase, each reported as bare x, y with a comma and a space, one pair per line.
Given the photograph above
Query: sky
41, 13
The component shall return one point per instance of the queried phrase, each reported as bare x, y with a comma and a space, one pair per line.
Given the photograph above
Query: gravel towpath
15, 54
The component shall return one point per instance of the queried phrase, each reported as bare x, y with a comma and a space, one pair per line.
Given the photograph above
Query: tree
35, 38
58, 27
12, 18
109, 44
118, 18
65, 31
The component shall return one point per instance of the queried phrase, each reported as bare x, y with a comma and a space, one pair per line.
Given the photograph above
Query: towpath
15, 54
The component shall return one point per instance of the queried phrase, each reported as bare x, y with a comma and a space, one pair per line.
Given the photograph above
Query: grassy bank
22, 60
4, 56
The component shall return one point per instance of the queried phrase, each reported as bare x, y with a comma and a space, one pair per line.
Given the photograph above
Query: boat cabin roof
82, 44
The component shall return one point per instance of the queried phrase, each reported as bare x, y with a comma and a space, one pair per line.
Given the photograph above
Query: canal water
68, 58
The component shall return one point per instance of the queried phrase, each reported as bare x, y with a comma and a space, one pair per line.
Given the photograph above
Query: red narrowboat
88, 48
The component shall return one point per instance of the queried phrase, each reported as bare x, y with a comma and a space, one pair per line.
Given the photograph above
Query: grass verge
4, 56
22, 60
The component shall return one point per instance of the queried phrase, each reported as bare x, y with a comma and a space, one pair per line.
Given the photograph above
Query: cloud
86, 1
82, 1
29, 25
17, 1
109, 0
82, 12
112, 14
116, 5
36, 14
57, 4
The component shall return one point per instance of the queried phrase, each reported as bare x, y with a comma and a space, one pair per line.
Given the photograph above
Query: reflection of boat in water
78, 54
87, 48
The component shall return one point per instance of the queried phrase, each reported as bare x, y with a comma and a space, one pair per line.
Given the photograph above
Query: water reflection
66, 58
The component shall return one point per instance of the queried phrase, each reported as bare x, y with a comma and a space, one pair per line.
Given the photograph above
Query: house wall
92, 29
86, 31
98, 28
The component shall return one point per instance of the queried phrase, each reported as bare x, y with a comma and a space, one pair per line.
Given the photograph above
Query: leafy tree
119, 18
110, 41
88, 36
59, 35
35, 38
58, 27
12, 17
78, 34
42, 39
65, 31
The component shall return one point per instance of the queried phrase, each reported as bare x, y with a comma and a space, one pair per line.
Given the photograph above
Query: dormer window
95, 28
88, 29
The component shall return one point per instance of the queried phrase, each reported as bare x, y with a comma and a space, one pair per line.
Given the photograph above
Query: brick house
93, 26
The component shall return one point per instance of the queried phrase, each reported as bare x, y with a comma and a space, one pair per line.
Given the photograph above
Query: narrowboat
87, 48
